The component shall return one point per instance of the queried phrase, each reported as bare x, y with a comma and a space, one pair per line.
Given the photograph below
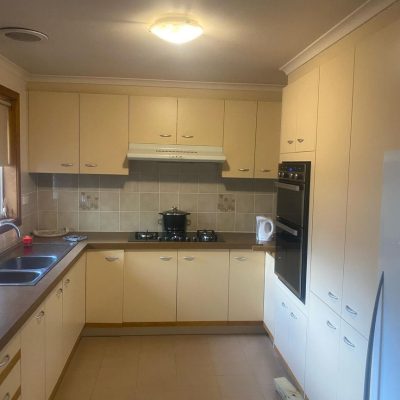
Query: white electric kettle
264, 228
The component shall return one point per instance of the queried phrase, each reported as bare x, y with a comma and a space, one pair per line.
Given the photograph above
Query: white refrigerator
382, 378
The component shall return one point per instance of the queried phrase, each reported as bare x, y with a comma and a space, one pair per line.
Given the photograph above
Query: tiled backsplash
129, 203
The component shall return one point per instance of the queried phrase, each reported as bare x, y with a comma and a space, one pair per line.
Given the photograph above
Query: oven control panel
290, 171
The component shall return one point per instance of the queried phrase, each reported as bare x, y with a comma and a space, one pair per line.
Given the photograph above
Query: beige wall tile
109, 221
149, 220
89, 182
131, 183
89, 221
226, 203
66, 181
244, 203
169, 183
168, 200
188, 184
68, 220
207, 202
112, 182
188, 202
129, 221
47, 200
129, 201
225, 222
68, 201
89, 201
263, 203
245, 222
207, 220
109, 201
149, 201
149, 183
47, 220
45, 182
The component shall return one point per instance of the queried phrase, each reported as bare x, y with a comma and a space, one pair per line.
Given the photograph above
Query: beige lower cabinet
202, 293
54, 354
246, 286
33, 338
10, 388
150, 279
10, 369
104, 286
269, 294
73, 304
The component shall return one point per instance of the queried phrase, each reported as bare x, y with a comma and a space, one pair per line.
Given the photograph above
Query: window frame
12, 172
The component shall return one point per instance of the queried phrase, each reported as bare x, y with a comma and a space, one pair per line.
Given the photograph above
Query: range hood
175, 152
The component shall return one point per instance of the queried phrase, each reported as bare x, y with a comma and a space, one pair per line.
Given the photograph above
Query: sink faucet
8, 222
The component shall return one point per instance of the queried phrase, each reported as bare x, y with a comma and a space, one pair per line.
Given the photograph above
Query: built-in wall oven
293, 193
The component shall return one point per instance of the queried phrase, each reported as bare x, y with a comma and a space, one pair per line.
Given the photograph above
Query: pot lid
174, 211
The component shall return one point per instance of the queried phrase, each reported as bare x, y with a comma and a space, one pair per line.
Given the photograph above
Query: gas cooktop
198, 236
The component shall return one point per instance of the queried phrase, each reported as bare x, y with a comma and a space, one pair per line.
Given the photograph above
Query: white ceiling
245, 41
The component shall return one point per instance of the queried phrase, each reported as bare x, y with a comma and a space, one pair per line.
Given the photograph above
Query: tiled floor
191, 367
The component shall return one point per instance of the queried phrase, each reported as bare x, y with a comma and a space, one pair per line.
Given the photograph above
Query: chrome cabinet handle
290, 141
67, 282
243, 169
293, 315
265, 170
240, 258
165, 135
284, 304
351, 311
347, 341
111, 258
332, 296
7, 396
67, 164
188, 258
163, 258
40, 315
330, 325
5, 360
91, 165
301, 140
188, 136
59, 292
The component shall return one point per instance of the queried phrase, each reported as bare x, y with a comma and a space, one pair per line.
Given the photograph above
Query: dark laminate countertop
17, 303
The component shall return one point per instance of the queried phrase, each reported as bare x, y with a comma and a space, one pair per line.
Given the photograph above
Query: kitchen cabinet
352, 359
202, 293
150, 279
240, 122
290, 334
74, 292
54, 354
53, 125
200, 121
375, 129
152, 119
266, 156
322, 351
299, 114
33, 357
10, 369
246, 286
104, 286
269, 294
103, 134
331, 178
10, 387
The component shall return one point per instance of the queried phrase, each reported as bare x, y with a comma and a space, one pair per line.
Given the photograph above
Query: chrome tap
8, 222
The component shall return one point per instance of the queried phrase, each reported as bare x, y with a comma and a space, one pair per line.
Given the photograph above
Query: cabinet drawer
8, 356
10, 389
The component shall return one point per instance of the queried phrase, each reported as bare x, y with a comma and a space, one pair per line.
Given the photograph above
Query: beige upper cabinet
331, 178
103, 134
200, 121
152, 119
53, 132
300, 114
239, 138
266, 158
104, 286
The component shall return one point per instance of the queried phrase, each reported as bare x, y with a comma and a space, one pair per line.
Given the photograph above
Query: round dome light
177, 30
23, 34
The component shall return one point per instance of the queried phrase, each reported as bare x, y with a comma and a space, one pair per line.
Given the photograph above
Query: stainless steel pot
174, 220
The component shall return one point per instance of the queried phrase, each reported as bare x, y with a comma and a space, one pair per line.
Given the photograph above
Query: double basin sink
26, 266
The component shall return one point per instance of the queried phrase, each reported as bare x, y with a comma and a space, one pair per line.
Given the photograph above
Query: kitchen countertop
18, 303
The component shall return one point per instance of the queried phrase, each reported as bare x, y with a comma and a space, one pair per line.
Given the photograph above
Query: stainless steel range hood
173, 152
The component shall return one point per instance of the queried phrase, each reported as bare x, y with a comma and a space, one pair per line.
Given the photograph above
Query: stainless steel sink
28, 262
16, 278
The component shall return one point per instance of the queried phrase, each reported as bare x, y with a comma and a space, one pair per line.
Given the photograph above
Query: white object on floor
286, 390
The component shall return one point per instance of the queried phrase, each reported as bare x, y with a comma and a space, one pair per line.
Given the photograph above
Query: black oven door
290, 258
291, 202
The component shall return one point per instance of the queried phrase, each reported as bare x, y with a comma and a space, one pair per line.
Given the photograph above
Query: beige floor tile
240, 386
199, 392
76, 386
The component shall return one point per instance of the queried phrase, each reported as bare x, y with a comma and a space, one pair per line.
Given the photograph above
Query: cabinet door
268, 131
103, 134
375, 129
152, 119
322, 351
246, 286
104, 286
269, 293
331, 178
281, 314
239, 138
203, 285
352, 359
307, 111
33, 356
53, 132
74, 304
54, 338
150, 286
289, 119
200, 121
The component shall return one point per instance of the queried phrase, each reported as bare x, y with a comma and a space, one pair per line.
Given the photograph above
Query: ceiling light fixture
23, 34
177, 30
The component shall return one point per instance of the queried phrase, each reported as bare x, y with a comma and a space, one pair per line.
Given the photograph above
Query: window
10, 200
